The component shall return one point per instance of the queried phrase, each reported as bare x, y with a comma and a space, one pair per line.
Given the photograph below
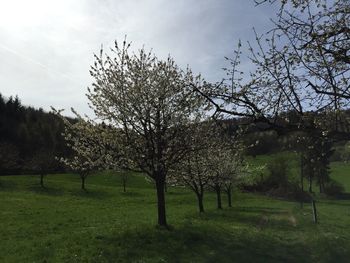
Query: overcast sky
47, 46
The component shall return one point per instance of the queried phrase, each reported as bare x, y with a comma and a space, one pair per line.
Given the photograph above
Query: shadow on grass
174, 192
93, 194
197, 244
6, 185
230, 235
131, 193
46, 190
343, 196
335, 202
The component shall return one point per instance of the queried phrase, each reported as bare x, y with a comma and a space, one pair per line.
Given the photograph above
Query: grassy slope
63, 224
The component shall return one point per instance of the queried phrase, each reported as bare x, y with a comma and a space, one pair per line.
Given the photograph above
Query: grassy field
61, 223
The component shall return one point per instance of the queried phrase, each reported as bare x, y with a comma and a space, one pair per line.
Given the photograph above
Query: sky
47, 46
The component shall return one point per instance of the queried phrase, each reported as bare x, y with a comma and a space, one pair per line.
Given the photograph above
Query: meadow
61, 223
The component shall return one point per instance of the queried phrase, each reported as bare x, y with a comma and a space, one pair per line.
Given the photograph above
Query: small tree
88, 143
115, 159
316, 158
278, 173
193, 171
223, 163
43, 163
151, 103
234, 168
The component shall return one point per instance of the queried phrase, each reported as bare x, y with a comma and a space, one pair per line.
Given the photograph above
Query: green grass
61, 223
341, 173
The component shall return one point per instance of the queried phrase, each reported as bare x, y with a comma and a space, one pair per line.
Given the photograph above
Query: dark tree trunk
218, 197
161, 202
302, 180
302, 173
200, 202
302, 183
229, 197
124, 185
322, 186
314, 210
83, 182
310, 184
42, 180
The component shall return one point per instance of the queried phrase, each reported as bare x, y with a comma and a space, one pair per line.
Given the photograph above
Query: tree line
29, 139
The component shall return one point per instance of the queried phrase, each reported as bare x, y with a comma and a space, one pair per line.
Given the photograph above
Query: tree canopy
151, 103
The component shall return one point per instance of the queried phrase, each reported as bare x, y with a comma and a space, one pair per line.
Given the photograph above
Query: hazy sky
47, 46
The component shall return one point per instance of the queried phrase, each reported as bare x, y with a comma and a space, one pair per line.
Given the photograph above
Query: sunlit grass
61, 223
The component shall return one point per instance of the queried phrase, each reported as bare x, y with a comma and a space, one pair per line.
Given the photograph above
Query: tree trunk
161, 202
302, 180
82, 182
314, 211
42, 180
310, 184
218, 197
322, 186
229, 197
124, 185
302, 173
200, 202
321, 183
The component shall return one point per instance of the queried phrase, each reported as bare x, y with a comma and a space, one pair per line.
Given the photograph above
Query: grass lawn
61, 223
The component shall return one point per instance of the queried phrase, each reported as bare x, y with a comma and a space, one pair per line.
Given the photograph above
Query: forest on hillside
29, 139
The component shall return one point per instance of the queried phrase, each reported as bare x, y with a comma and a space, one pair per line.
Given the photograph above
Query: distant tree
316, 159
215, 160
278, 169
87, 141
116, 157
152, 104
193, 171
223, 162
43, 163
234, 168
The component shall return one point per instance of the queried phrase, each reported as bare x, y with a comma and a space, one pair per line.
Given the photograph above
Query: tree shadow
46, 190
6, 185
130, 193
343, 196
92, 194
191, 243
173, 192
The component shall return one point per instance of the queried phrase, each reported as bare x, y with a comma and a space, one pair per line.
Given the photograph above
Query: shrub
275, 182
333, 188
278, 174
